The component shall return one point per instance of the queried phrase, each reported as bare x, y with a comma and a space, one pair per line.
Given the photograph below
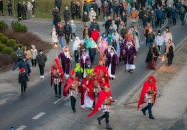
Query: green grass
43, 9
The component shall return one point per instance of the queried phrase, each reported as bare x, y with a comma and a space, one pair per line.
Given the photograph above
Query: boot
99, 120
143, 112
108, 126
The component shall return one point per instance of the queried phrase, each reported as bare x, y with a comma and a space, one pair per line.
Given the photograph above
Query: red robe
68, 84
101, 98
59, 68
145, 90
99, 68
90, 87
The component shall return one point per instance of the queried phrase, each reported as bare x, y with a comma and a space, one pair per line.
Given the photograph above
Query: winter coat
23, 64
60, 32
95, 35
123, 32
73, 8
66, 15
167, 36
23, 78
94, 6
159, 40
54, 37
115, 7
73, 27
94, 25
34, 53
173, 13
107, 24
67, 29
159, 14
41, 59
19, 7
58, 3
85, 18
9, 6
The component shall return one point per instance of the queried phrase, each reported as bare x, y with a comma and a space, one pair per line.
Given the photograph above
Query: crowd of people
118, 43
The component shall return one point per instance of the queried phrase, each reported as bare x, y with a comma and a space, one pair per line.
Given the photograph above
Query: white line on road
58, 100
21, 127
38, 116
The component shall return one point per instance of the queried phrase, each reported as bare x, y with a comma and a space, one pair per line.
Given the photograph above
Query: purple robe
129, 54
67, 65
63, 59
113, 60
87, 61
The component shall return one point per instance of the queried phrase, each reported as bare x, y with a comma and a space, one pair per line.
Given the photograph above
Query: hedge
1, 35
17, 27
4, 39
3, 25
2, 46
13, 54
7, 50
11, 43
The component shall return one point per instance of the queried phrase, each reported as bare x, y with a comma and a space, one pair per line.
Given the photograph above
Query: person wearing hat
92, 15
41, 58
85, 18
66, 14
71, 89
22, 79
73, 27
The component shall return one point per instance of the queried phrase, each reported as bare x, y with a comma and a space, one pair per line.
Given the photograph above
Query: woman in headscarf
75, 48
170, 48
152, 57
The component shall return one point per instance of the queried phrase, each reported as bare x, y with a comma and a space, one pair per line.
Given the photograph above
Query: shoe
108, 127
74, 111
33, 16
99, 120
143, 112
71, 40
151, 117
59, 96
56, 95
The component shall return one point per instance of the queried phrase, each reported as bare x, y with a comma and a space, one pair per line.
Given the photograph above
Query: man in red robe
148, 95
71, 89
57, 77
103, 103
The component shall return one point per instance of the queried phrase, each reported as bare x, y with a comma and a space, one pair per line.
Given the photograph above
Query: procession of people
117, 44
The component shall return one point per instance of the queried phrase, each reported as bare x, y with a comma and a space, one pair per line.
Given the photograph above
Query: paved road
39, 109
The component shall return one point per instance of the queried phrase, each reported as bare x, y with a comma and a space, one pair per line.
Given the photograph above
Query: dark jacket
85, 18
94, 25
73, 8
124, 18
60, 32
19, 7
94, 6
58, 3
41, 59
66, 15
108, 23
159, 14
24, 7
89, 33
123, 32
23, 78
9, 6
23, 64
67, 29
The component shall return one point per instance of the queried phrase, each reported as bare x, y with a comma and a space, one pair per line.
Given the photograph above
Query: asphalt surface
21, 112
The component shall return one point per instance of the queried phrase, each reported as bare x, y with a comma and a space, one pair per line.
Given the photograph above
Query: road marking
141, 42
21, 127
58, 100
38, 116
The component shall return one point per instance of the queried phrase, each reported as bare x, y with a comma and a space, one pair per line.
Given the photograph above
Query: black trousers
76, 56
99, 11
2, 11
23, 87
95, 97
149, 108
106, 116
159, 49
33, 62
10, 12
41, 67
73, 102
170, 60
67, 37
174, 21
58, 89
159, 22
19, 14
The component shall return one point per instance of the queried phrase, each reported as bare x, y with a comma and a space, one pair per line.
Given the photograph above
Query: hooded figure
75, 48
92, 15
148, 95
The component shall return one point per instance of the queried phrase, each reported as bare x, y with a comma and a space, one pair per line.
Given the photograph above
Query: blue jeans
61, 41
153, 23
149, 108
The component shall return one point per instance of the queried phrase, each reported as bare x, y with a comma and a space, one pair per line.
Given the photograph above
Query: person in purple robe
129, 54
112, 61
68, 59
84, 61
63, 57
